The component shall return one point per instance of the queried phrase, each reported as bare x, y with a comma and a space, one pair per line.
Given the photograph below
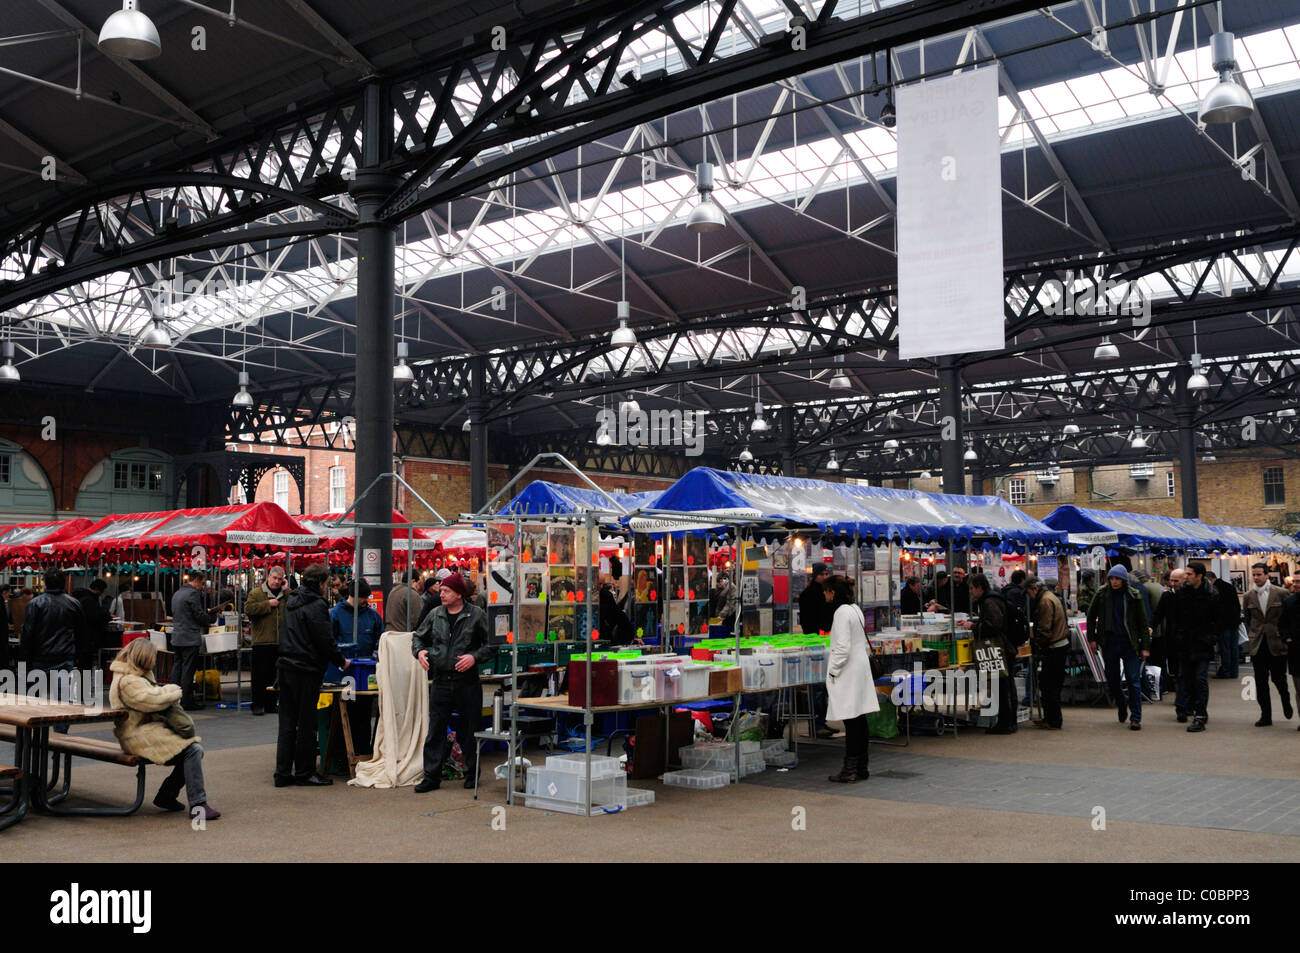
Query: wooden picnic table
31, 719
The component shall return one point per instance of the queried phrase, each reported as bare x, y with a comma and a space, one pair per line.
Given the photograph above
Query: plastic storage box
792, 666
760, 672
695, 680
815, 665
698, 779
601, 766
668, 682
715, 756
636, 684
636, 797
216, 642
565, 787
364, 671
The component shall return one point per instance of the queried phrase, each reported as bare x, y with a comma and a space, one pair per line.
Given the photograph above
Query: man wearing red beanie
451, 643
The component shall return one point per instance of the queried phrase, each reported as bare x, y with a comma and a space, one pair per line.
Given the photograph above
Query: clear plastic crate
698, 779
637, 797
760, 672
556, 785
668, 682
722, 757
636, 684
815, 667
792, 668
601, 766
695, 680
773, 745
781, 759
569, 807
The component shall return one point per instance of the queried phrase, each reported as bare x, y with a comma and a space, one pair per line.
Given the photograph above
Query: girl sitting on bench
157, 728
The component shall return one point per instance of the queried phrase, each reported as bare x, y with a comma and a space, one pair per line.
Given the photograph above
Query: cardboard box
725, 681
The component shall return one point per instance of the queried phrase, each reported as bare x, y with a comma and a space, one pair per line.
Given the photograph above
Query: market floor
1230, 794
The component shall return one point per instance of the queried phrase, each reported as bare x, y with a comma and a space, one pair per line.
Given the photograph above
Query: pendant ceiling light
840, 380
130, 34
890, 444
745, 456
629, 406
623, 336
9, 373
467, 426
832, 463
1070, 429
242, 399
402, 373
970, 456
1105, 351
1209, 457
1138, 442
706, 216
156, 337
924, 475
1227, 101
758, 424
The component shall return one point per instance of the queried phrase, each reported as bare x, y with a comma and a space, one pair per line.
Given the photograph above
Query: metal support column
787, 441
950, 450
1185, 412
478, 436
376, 280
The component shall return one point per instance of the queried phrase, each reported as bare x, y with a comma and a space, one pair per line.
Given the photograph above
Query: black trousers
295, 748
1270, 667
264, 659
184, 666
1197, 673
1051, 683
856, 738
464, 695
1008, 703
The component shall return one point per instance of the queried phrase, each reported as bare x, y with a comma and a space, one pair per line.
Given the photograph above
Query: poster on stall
1047, 570
501, 580
749, 591
532, 623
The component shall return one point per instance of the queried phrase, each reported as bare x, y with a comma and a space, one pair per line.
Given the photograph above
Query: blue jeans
187, 769
1124, 674
1229, 652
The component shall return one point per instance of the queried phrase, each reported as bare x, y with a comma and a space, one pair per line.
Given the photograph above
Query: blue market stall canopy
1248, 540
1088, 527
908, 516
541, 498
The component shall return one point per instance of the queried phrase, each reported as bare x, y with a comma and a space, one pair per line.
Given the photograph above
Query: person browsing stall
1117, 624
850, 689
450, 644
369, 626
265, 610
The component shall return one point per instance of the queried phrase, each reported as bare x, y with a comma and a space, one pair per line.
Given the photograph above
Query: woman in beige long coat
851, 693
157, 728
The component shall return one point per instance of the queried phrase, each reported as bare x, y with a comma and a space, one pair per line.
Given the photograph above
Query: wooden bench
9, 773
93, 749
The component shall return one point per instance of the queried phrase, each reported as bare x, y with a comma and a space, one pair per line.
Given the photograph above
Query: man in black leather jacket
306, 646
54, 631
451, 643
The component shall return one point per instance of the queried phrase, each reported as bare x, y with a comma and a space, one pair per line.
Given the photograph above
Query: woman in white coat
850, 689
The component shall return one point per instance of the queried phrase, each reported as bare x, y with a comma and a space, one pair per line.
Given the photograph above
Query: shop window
338, 489
282, 489
1169, 483
121, 476
1017, 493
1274, 488
6, 460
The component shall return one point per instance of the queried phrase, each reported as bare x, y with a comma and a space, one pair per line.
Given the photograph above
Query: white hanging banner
950, 295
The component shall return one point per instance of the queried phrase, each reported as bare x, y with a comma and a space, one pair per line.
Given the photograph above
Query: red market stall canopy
344, 537
222, 530
24, 540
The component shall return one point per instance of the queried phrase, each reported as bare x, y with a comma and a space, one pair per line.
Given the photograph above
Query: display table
341, 723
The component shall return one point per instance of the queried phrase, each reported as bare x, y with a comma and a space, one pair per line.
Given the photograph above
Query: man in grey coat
189, 619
